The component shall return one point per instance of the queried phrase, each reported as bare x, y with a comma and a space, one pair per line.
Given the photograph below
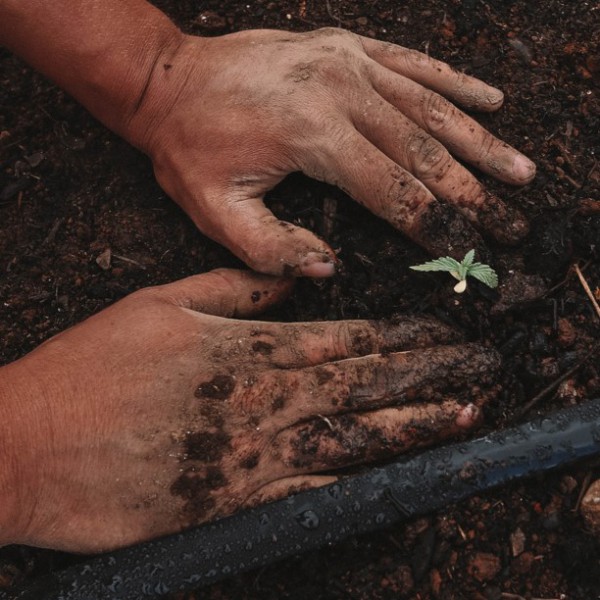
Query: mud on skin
408, 384
443, 231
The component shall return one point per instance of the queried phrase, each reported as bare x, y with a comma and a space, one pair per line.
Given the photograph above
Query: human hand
225, 119
159, 413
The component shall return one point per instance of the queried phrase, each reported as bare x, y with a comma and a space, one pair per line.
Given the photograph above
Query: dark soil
69, 190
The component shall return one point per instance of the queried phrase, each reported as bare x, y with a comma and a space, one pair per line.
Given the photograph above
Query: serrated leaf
484, 273
439, 264
467, 261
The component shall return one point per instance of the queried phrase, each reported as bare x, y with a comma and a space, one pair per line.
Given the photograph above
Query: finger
375, 381
391, 192
265, 243
295, 345
435, 75
226, 292
429, 161
335, 442
461, 134
282, 488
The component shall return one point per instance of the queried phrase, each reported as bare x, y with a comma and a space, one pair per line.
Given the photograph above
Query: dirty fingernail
495, 96
523, 169
316, 264
468, 416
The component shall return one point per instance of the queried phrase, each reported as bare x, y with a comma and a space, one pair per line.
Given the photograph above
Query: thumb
265, 243
226, 292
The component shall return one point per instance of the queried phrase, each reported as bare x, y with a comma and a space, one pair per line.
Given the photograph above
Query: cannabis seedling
462, 270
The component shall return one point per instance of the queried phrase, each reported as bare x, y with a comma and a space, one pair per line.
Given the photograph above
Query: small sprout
462, 270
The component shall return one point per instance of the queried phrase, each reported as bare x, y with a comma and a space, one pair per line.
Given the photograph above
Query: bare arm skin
163, 411
225, 119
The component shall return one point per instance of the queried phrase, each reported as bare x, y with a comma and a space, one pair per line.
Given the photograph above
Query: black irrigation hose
315, 518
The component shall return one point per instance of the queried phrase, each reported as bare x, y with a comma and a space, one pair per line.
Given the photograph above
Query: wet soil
70, 190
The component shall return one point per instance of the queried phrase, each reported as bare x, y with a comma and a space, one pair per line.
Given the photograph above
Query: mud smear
206, 446
443, 231
196, 489
219, 387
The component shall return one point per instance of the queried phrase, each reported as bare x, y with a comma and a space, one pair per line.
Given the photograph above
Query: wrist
174, 67
101, 52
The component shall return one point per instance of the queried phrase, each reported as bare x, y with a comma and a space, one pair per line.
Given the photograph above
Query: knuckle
413, 58
437, 112
356, 339
403, 199
146, 295
429, 159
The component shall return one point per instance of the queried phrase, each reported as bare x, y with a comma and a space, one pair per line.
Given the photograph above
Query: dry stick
549, 388
509, 596
587, 289
584, 488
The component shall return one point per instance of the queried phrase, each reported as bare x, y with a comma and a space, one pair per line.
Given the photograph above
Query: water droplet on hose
161, 588
116, 583
248, 546
380, 518
308, 519
335, 491
263, 519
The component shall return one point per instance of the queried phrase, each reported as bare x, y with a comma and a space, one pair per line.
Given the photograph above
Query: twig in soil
53, 231
509, 596
587, 289
129, 260
562, 175
329, 214
584, 488
302, 9
561, 283
552, 386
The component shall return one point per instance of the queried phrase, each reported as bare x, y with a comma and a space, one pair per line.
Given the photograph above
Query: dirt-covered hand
225, 119
160, 413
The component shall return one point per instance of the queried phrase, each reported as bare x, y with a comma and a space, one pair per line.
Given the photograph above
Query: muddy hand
160, 413
226, 119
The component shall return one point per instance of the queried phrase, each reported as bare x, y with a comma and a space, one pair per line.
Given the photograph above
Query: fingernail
523, 168
467, 416
316, 264
495, 96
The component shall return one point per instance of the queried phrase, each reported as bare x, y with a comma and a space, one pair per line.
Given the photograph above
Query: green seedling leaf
461, 270
447, 264
467, 261
484, 273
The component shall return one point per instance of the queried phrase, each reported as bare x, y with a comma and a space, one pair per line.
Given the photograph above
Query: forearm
9, 468
103, 52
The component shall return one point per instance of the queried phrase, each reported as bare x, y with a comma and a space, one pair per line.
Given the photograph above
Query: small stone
436, 582
35, 159
567, 392
362, 21
103, 259
210, 21
484, 566
568, 484
517, 542
590, 507
567, 334
522, 564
